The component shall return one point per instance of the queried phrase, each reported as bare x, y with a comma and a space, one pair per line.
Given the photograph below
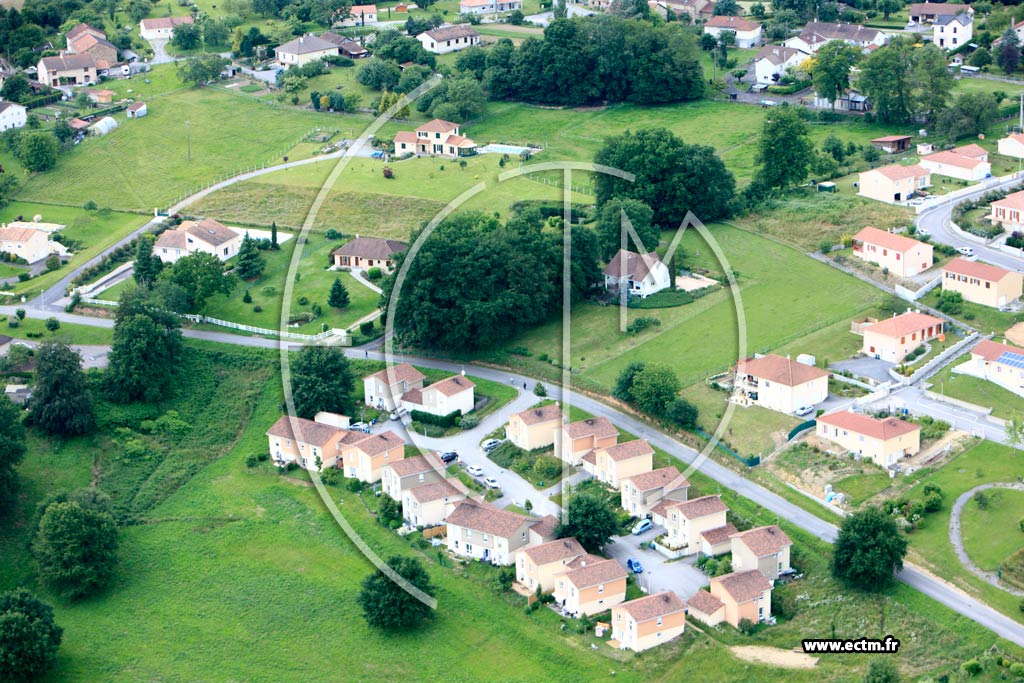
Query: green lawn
983, 318
1004, 403
786, 297
861, 487
93, 230
1004, 511
752, 431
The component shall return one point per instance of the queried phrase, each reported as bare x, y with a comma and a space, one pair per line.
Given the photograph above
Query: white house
136, 110
303, 50
360, 15
489, 6
639, 274
206, 235
26, 243
162, 27
748, 33
384, 390
447, 39
817, 33
12, 115
951, 32
451, 394
772, 62
968, 162
1012, 145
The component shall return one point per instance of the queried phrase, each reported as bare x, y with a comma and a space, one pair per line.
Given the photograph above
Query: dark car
449, 457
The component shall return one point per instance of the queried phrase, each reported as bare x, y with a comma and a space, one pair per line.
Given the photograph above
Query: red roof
876, 428
991, 351
1011, 201
982, 271
732, 23
902, 325
899, 172
781, 370
953, 158
887, 240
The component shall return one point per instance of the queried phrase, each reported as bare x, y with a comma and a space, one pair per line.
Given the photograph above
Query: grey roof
944, 19
452, 32
304, 45
67, 62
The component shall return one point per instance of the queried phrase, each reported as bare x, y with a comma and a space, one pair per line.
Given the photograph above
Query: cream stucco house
534, 428
1009, 211
649, 621
743, 595
383, 390
429, 504
893, 184
590, 584
447, 39
1012, 145
641, 493
579, 438
885, 441
892, 339
780, 384
27, 243
540, 565
205, 235
449, 395
401, 475
614, 464
483, 532
364, 459
1000, 364
748, 33
685, 521
303, 50
901, 255
765, 548
981, 283
968, 162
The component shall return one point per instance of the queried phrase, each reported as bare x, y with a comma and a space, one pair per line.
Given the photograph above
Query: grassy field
861, 487
1004, 511
94, 231
786, 298
229, 559
1004, 403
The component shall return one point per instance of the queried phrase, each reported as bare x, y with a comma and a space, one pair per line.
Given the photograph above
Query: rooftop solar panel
1014, 360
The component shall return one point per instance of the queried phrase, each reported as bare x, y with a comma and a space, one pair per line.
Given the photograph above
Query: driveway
160, 55
660, 574
866, 367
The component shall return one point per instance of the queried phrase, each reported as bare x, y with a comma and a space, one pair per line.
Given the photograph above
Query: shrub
747, 627
366, 328
247, 297
374, 273
24, 277
971, 667
252, 460
825, 246
932, 502
53, 262
303, 301
519, 351
333, 234
444, 421
1017, 669
257, 309
13, 322
469, 421
354, 485
90, 205
642, 323
539, 390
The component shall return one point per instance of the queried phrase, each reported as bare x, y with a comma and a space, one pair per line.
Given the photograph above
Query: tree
250, 263
146, 349
931, 79
186, 36
885, 80
672, 177
624, 382
29, 636
887, 7
16, 88
201, 69
273, 235
654, 389
52, 324
76, 549
728, 8
1015, 430
147, 266
682, 413
322, 381
338, 298
882, 670
138, 9
832, 66
379, 74
708, 42
609, 226
1008, 56
970, 114
61, 402
12, 450
200, 276
387, 605
590, 520
870, 547
389, 512
785, 152
38, 151
980, 58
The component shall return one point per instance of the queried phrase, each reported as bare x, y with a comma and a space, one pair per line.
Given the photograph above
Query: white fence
908, 294
938, 361
346, 340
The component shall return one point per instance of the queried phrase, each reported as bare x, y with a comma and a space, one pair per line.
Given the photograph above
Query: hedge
436, 420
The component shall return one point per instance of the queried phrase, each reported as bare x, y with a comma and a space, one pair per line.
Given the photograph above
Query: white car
923, 231
966, 251
804, 410
491, 483
475, 471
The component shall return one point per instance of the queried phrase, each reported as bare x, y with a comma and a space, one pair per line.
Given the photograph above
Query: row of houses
403, 387
312, 47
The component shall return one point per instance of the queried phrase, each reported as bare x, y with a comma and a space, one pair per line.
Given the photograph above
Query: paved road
957, 541
913, 399
660, 574
936, 221
160, 54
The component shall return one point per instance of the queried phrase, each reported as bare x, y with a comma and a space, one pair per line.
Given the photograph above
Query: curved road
934, 587
956, 538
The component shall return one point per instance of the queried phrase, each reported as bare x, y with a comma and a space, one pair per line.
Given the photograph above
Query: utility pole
188, 138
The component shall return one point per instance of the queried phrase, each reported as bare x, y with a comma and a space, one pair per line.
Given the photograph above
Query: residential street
660, 574
913, 399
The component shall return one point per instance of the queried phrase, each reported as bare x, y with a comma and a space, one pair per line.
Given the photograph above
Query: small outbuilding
136, 110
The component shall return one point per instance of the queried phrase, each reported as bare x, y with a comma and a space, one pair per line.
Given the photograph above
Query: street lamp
188, 138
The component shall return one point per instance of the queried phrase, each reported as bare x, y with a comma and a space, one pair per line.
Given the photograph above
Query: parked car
490, 445
642, 526
491, 483
360, 427
634, 566
923, 231
475, 471
377, 154
449, 457
966, 251
804, 410
394, 416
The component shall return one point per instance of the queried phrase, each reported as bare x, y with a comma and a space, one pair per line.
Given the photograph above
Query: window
600, 588
659, 623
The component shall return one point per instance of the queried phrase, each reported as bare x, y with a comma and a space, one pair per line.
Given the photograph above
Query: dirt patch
941, 450
773, 656
1016, 334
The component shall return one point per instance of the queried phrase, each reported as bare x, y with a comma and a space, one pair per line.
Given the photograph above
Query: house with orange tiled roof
364, 459
745, 595
1001, 364
360, 15
886, 441
981, 283
706, 608
765, 548
27, 243
748, 33
642, 492
534, 428
779, 384
969, 162
892, 339
483, 532
614, 464
590, 584
649, 621
899, 254
444, 397
583, 436
383, 390
540, 565
1009, 211
312, 444
401, 475
717, 541
893, 184
1013, 144
685, 521
430, 503
435, 138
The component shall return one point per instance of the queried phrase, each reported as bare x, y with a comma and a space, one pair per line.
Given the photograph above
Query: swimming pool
513, 150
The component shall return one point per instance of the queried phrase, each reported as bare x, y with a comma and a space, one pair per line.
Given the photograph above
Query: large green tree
249, 264
147, 266
882, 670
932, 80
869, 549
322, 379
654, 388
76, 549
590, 520
12, 450
610, 226
387, 605
338, 298
785, 152
200, 276
147, 347
61, 402
970, 114
885, 78
201, 69
671, 176
29, 636
832, 66
38, 151
1008, 56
